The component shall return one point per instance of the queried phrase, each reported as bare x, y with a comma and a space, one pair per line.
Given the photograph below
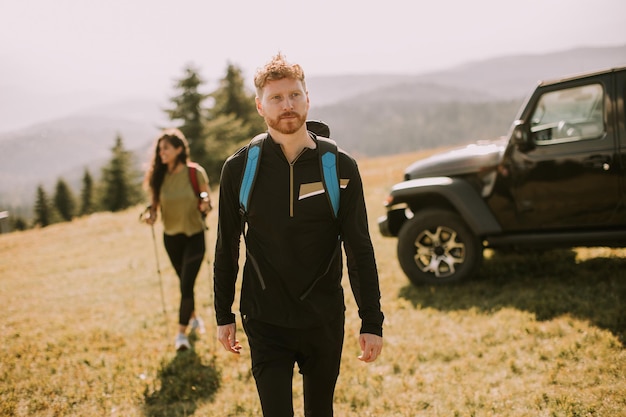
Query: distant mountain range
474, 101
369, 115
507, 77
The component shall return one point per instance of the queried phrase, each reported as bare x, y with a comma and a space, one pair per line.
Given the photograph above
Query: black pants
186, 254
275, 350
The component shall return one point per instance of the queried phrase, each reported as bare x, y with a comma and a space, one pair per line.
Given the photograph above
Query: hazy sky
143, 45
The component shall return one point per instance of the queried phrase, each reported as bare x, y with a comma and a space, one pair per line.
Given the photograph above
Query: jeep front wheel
436, 247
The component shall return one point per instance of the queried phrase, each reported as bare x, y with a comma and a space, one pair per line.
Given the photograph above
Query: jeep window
569, 115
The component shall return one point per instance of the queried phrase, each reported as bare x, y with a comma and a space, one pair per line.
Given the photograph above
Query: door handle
598, 162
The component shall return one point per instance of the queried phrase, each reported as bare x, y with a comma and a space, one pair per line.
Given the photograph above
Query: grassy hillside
84, 332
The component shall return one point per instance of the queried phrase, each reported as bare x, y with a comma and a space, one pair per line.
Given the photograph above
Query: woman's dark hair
156, 172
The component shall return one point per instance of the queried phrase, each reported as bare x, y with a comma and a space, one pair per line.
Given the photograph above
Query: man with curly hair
292, 302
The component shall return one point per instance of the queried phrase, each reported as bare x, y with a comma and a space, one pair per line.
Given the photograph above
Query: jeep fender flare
457, 192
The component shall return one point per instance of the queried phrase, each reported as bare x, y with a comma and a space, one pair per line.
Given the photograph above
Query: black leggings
275, 351
186, 254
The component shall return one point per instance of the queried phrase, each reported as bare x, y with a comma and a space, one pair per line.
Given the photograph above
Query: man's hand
371, 346
226, 336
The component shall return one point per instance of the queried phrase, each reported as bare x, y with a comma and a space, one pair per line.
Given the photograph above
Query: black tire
437, 247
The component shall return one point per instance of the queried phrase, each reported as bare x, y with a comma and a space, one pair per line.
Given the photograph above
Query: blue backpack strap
330, 178
330, 171
253, 155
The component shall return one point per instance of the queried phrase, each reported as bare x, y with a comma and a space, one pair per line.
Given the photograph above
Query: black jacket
294, 237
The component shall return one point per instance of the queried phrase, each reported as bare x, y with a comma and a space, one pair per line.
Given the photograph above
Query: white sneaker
197, 325
182, 343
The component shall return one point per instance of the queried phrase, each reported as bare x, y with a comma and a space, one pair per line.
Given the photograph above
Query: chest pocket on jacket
310, 190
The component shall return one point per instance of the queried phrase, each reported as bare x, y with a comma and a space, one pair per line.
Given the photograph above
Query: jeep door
569, 175
620, 129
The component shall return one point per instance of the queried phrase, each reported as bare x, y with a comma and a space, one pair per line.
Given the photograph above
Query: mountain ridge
362, 110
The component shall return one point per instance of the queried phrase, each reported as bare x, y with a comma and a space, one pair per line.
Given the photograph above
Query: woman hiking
170, 182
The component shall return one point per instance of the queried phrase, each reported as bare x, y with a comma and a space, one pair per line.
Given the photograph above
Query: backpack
328, 168
193, 177
330, 179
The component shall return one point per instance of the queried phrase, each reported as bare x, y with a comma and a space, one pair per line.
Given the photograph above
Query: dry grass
84, 332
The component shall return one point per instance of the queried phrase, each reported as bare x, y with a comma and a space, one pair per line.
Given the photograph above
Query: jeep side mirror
520, 136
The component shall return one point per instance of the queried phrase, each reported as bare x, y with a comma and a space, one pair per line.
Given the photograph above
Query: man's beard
289, 126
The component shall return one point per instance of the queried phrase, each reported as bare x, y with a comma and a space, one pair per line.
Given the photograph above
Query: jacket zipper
254, 262
291, 182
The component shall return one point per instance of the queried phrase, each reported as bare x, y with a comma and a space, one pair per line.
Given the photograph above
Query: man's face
284, 105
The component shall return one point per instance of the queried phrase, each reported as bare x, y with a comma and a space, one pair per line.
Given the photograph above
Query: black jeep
557, 180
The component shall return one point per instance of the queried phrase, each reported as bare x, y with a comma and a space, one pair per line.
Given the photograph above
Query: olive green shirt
179, 204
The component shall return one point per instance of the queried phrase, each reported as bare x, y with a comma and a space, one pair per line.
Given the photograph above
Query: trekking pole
211, 329
156, 255
158, 266
211, 318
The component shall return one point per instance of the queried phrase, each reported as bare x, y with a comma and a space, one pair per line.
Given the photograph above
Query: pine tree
43, 214
231, 98
120, 182
226, 134
18, 223
87, 195
214, 133
64, 200
233, 120
189, 111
